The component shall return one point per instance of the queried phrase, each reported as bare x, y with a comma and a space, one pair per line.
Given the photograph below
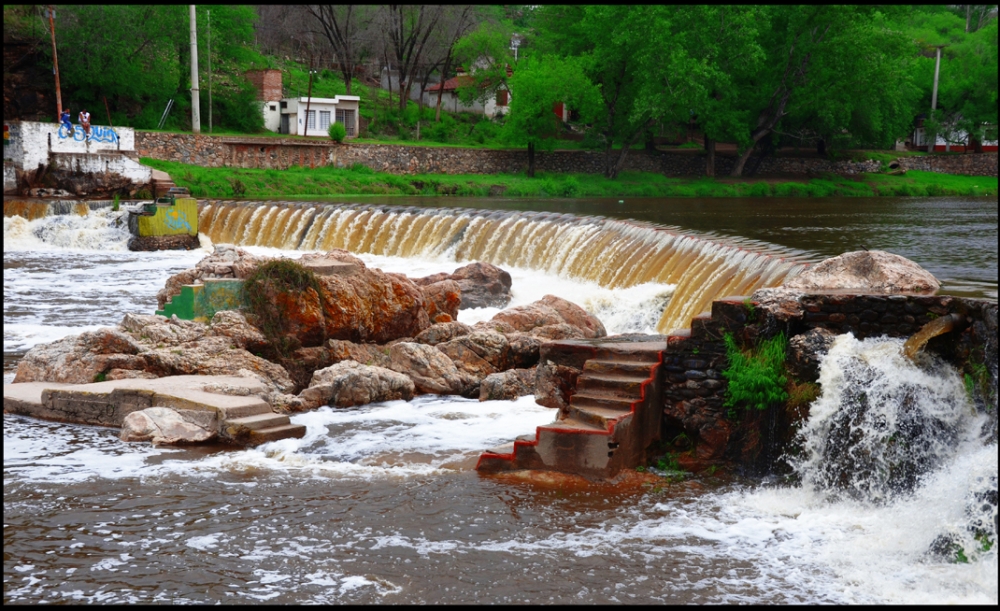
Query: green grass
361, 180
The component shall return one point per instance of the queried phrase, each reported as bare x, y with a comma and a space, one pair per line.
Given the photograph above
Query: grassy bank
300, 182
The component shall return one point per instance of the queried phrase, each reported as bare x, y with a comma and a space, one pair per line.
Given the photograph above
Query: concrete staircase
255, 423
161, 183
613, 417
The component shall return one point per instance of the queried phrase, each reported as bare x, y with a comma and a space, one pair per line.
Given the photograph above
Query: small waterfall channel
892, 431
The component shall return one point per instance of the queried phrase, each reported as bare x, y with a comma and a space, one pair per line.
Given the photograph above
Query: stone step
242, 411
507, 448
647, 354
572, 425
592, 399
638, 369
601, 417
612, 385
275, 433
259, 421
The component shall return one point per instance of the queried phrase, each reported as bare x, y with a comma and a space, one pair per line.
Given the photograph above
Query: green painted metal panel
180, 218
202, 301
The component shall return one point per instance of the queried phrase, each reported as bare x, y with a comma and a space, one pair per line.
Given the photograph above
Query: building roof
333, 100
453, 83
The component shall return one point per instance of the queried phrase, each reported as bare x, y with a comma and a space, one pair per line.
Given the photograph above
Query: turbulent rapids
615, 254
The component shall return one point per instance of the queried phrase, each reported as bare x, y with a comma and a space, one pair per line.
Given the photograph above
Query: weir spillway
611, 253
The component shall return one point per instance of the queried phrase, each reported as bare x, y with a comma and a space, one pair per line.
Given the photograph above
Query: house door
283, 129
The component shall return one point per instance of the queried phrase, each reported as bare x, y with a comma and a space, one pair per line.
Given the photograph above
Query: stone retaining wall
282, 153
694, 389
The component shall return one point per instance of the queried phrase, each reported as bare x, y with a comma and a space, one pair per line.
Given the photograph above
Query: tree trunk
742, 160
710, 158
444, 76
531, 160
821, 147
616, 167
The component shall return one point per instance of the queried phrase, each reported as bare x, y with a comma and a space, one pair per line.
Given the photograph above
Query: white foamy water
378, 503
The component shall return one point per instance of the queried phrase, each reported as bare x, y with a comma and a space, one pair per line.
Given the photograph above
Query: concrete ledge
107, 403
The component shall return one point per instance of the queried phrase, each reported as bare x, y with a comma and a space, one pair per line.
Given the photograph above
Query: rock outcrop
431, 370
442, 300
482, 285
869, 272
507, 385
552, 317
350, 383
167, 426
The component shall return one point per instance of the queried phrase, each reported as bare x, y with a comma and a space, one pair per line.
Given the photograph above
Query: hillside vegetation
758, 77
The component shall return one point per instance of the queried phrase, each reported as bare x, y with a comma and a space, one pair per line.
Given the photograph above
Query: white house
302, 116
289, 115
497, 103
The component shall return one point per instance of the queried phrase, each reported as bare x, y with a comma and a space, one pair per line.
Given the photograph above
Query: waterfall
882, 422
615, 254
73, 226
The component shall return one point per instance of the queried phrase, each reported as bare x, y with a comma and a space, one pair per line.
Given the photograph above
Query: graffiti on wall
98, 133
175, 219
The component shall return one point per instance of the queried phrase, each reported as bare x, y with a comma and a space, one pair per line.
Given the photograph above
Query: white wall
272, 118
31, 141
103, 162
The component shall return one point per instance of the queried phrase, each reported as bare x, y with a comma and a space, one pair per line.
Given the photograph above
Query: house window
346, 117
273, 108
284, 105
311, 119
324, 120
502, 99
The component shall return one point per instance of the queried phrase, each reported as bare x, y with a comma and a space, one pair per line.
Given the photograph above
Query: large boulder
80, 359
233, 324
442, 300
431, 370
507, 385
483, 285
350, 383
167, 426
866, 272
442, 332
479, 354
806, 352
551, 317
369, 305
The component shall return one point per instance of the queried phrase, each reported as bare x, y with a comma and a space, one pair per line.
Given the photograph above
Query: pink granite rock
866, 272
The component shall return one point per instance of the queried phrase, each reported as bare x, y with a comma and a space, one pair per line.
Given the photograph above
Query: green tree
537, 85
967, 87
834, 68
486, 54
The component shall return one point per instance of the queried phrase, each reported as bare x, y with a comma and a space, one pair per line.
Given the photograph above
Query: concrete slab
107, 403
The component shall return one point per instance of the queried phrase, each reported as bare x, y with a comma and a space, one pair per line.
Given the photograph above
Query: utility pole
309, 94
210, 72
55, 61
195, 108
937, 73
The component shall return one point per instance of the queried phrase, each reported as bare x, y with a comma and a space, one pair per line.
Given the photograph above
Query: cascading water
81, 228
891, 432
613, 254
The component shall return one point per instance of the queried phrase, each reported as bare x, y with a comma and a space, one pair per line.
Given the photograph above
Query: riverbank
298, 181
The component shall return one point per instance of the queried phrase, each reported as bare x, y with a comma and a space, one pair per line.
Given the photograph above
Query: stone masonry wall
694, 389
280, 153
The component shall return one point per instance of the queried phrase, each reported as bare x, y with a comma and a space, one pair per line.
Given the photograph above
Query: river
379, 504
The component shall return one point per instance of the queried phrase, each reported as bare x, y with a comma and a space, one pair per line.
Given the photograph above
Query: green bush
756, 376
237, 108
260, 289
337, 132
